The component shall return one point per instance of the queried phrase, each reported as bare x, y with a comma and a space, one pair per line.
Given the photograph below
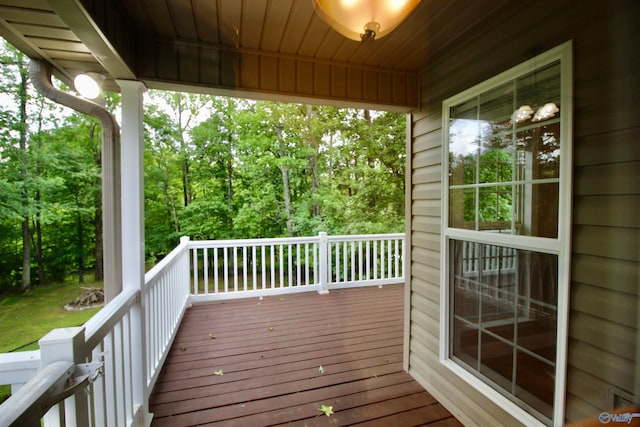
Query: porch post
132, 151
324, 263
66, 345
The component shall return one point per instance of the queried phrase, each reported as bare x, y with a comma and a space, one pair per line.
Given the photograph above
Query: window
506, 232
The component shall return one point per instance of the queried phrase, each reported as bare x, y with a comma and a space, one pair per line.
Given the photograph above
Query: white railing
487, 258
16, 369
224, 269
117, 355
482, 264
232, 268
165, 301
366, 260
129, 339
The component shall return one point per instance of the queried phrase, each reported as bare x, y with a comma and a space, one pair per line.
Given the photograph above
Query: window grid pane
504, 313
508, 138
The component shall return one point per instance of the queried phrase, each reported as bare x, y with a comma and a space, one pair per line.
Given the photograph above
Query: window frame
560, 246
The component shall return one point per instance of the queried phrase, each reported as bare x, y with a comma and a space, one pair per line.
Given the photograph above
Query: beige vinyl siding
605, 262
606, 233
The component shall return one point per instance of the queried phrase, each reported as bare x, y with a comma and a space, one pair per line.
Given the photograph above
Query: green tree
162, 182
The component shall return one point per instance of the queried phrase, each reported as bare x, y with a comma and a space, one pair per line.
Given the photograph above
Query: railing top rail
365, 237
19, 359
167, 261
252, 242
290, 240
103, 321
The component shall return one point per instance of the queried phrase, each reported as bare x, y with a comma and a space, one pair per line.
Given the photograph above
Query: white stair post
65, 345
324, 263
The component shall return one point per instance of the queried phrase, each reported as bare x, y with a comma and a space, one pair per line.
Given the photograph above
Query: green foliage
215, 168
263, 169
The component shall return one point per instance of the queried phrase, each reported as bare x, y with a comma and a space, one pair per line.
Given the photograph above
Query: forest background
215, 168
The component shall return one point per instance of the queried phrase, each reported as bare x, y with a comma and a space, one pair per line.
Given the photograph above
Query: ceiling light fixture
521, 114
88, 84
545, 112
364, 20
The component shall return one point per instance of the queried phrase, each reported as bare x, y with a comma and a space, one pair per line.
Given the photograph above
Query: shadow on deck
257, 362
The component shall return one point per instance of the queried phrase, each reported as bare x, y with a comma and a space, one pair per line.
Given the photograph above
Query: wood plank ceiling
274, 49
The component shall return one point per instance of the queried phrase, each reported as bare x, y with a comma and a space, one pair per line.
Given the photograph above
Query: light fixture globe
364, 19
87, 86
545, 112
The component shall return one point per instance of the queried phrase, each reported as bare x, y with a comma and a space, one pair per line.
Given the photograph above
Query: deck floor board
270, 351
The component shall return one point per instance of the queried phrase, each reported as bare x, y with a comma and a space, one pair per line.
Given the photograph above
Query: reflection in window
504, 159
503, 140
504, 318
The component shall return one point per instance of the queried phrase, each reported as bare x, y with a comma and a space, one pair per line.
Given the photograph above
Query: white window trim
560, 246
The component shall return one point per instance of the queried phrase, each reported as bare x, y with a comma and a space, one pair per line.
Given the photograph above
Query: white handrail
251, 242
103, 322
166, 262
365, 237
29, 404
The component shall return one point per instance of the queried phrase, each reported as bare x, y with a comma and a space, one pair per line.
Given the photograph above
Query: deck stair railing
102, 374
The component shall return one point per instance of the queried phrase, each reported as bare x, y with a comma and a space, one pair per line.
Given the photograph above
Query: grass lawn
24, 319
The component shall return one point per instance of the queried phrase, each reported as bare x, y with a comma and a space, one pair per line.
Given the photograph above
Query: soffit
267, 42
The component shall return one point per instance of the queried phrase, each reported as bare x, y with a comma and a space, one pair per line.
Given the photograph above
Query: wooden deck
258, 362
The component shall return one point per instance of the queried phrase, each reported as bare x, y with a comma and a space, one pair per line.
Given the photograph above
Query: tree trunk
313, 165
230, 177
39, 256
38, 224
171, 203
26, 235
285, 183
80, 248
186, 184
287, 199
26, 254
367, 119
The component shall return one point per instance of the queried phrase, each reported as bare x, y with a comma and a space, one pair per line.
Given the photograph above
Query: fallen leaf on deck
270, 329
327, 410
183, 348
212, 336
219, 373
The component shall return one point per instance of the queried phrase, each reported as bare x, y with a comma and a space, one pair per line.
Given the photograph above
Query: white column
132, 172
323, 263
132, 155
